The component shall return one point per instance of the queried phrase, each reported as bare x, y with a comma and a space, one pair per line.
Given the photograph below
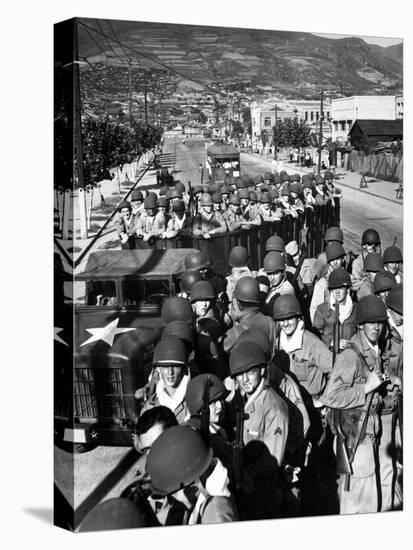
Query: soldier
383, 283
309, 199
393, 260
321, 197
249, 215
163, 209
265, 427
353, 389
225, 192
170, 363
180, 465
300, 352
373, 263
246, 313
209, 329
180, 221
332, 235
232, 217
285, 204
206, 223
177, 309
125, 225
370, 242
267, 215
335, 254
150, 226
339, 284
136, 201
275, 269
216, 199
332, 190
296, 203
238, 260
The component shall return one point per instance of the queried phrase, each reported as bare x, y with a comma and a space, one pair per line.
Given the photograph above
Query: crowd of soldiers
209, 209
272, 394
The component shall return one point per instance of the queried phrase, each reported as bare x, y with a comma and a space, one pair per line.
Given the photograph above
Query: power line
108, 43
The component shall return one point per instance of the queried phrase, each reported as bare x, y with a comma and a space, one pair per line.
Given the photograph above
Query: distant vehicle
222, 160
113, 320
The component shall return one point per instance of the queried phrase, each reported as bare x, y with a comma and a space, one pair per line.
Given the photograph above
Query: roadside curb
340, 184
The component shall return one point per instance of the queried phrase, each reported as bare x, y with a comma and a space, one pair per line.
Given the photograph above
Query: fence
381, 166
308, 228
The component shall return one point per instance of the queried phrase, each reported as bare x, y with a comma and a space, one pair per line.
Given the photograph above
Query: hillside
293, 64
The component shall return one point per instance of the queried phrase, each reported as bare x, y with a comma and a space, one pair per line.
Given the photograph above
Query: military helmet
197, 189
253, 196
239, 182
257, 336
277, 179
150, 201
113, 513
247, 289
124, 204
163, 202
295, 177
268, 176
285, 190
195, 391
370, 236
136, 195
180, 187
178, 205
174, 193
170, 351
394, 299
244, 194
274, 243
383, 281
334, 250
234, 199
216, 198
274, 194
392, 254
163, 190
286, 306
338, 278
206, 188
176, 309
307, 181
202, 290
319, 180
334, 234
373, 262
284, 176
371, 309
246, 356
295, 187
196, 260
328, 175
258, 179
188, 278
274, 261
238, 257
176, 459
225, 190
206, 199
265, 197
179, 329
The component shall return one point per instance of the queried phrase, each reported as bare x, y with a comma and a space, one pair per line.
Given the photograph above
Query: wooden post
66, 214
60, 202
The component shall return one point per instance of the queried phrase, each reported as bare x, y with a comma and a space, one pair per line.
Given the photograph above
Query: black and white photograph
228, 284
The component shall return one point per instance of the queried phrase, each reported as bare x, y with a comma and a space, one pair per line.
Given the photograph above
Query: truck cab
104, 337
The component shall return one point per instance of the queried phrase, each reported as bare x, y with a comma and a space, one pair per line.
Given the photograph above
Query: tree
237, 129
291, 133
246, 119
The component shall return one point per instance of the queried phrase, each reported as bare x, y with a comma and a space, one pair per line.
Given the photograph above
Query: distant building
346, 110
373, 131
399, 106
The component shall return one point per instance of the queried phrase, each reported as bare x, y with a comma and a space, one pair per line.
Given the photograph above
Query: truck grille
99, 393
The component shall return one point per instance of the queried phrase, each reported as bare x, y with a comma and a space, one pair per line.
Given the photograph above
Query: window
137, 291
306, 116
311, 116
98, 293
317, 115
267, 121
328, 114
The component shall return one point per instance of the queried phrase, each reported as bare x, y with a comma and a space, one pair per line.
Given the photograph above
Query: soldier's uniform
234, 221
207, 223
366, 287
178, 225
324, 322
373, 263
125, 228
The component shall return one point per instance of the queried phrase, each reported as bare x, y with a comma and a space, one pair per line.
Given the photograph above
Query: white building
345, 110
399, 106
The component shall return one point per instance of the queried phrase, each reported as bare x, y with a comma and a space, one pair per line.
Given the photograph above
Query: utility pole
77, 127
321, 132
146, 98
275, 129
130, 92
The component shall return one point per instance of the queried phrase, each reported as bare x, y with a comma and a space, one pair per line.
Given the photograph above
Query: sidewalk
344, 178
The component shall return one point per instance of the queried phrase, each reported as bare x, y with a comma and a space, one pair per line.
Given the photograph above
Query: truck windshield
145, 290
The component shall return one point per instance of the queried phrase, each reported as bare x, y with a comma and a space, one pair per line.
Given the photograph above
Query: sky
380, 40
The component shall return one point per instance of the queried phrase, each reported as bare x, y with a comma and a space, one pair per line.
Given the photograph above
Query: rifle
336, 331
204, 414
238, 446
191, 198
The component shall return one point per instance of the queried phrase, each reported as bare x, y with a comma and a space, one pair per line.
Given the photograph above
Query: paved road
358, 210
